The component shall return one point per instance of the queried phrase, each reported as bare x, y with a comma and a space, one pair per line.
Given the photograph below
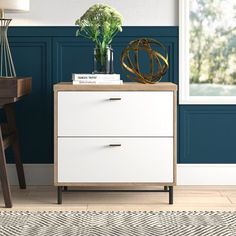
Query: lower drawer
115, 160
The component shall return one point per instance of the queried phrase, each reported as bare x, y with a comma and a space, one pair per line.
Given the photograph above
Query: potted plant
100, 23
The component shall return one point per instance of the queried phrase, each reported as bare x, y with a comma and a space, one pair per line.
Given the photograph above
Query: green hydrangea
100, 23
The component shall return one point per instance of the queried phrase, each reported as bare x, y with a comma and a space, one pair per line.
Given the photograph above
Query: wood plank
162, 86
188, 198
116, 185
55, 138
175, 137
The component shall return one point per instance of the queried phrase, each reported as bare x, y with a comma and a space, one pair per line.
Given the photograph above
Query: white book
96, 82
96, 76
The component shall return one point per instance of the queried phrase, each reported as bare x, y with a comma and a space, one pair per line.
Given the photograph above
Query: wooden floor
185, 198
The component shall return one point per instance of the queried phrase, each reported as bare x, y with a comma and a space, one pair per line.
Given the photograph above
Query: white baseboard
187, 174
35, 174
206, 174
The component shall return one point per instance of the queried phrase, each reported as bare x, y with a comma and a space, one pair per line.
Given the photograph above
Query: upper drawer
115, 113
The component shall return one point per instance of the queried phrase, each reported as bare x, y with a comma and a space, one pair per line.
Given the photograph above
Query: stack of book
96, 79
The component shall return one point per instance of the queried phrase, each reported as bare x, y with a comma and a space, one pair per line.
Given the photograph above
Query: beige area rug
117, 223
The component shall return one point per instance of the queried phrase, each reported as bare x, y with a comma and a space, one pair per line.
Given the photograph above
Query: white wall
65, 12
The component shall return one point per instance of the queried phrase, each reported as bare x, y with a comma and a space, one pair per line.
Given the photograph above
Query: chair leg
11, 122
3, 175
19, 165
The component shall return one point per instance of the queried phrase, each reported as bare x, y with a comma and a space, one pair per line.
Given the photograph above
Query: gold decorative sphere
158, 62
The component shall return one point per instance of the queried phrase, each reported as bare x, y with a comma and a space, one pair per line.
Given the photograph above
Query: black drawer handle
115, 99
115, 145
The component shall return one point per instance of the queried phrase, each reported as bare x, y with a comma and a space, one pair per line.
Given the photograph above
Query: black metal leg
59, 195
171, 197
61, 189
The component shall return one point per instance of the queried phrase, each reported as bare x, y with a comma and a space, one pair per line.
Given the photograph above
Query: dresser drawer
115, 160
115, 113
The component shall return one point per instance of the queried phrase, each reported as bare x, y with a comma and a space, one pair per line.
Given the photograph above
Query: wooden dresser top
131, 86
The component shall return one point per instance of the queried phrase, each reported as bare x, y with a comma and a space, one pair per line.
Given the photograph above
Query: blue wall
207, 134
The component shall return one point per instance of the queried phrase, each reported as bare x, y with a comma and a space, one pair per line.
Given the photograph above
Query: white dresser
115, 135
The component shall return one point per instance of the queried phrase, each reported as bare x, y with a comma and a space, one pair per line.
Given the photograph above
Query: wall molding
206, 134
187, 174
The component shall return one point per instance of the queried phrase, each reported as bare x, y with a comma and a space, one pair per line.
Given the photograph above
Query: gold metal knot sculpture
158, 63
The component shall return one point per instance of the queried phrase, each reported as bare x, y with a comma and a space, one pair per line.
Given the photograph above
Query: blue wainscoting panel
206, 134
32, 56
76, 54
72, 56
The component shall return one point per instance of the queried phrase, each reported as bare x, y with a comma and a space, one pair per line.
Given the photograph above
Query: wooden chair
11, 90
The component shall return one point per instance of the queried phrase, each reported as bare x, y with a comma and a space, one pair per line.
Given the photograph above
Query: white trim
35, 174
205, 100
206, 174
183, 51
184, 97
187, 174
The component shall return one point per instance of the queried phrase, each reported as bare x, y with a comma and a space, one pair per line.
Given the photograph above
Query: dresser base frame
167, 189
